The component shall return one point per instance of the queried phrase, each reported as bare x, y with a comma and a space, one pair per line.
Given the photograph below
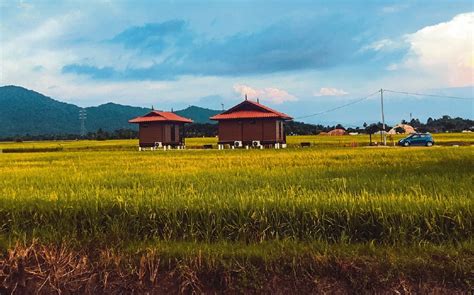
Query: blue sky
301, 57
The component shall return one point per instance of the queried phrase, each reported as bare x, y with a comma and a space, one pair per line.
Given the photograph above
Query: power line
339, 107
432, 95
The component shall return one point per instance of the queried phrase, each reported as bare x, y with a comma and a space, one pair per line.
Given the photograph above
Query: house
251, 124
337, 132
160, 129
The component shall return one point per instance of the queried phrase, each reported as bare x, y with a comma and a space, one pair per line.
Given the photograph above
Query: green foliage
25, 113
198, 114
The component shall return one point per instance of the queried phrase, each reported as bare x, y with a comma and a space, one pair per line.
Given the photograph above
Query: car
417, 139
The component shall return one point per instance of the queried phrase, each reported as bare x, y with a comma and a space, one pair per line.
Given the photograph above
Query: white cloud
380, 45
445, 51
392, 67
270, 94
328, 91
394, 8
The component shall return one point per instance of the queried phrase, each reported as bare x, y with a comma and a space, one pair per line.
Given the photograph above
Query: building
337, 132
161, 129
251, 124
407, 129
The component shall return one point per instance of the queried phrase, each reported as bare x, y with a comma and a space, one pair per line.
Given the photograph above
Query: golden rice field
337, 217
315, 140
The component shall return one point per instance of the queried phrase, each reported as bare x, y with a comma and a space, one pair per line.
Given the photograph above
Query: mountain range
24, 111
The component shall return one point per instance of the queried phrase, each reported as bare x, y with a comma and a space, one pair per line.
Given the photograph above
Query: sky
300, 57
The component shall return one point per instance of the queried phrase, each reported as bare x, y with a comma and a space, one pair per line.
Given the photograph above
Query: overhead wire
432, 95
339, 107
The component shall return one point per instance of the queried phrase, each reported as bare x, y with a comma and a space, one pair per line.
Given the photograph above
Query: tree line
443, 124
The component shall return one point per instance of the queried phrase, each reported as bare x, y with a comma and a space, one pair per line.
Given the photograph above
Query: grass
315, 140
397, 210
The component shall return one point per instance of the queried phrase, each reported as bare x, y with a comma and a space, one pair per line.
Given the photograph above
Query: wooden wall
247, 130
149, 133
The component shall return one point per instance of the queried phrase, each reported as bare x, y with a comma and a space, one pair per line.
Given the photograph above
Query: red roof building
160, 128
250, 121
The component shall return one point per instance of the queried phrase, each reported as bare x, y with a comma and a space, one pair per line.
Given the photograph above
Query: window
144, 125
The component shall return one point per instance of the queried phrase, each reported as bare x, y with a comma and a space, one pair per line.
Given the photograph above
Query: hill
198, 114
26, 112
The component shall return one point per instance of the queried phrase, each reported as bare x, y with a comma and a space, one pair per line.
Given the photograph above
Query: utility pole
383, 118
82, 118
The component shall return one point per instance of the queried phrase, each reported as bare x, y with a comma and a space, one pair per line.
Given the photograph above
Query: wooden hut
251, 124
160, 129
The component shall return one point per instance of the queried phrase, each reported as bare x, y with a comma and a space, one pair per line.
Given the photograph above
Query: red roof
250, 110
158, 116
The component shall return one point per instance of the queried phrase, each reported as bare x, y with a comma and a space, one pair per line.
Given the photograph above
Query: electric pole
82, 118
383, 118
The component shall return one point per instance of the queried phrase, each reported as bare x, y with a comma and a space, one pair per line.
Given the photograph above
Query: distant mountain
198, 114
24, 111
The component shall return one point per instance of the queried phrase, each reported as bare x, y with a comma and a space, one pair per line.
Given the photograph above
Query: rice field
442, 139
354, 212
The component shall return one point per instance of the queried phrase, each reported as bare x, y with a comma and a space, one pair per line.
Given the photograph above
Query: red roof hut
249, 122
165, 128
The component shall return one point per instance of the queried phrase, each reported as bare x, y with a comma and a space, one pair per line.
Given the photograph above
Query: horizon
327, 124
300, 58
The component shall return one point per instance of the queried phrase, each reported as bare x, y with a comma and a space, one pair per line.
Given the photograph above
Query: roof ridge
167, 116
262, 109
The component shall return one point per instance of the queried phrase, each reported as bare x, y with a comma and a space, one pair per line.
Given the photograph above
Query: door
416, 140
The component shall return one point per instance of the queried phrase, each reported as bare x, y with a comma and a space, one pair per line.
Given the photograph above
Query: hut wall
149, 133
247, 130
229, 131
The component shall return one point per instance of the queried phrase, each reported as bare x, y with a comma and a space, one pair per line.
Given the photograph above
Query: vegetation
443, 124
198, 142
29, 115
357, 219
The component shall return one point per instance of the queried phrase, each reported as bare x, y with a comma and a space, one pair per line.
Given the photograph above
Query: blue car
417, 139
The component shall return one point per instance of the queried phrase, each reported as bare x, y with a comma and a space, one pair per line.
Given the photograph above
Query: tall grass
315, 140
385, 196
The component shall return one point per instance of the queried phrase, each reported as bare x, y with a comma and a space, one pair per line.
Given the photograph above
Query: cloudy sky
301, 57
